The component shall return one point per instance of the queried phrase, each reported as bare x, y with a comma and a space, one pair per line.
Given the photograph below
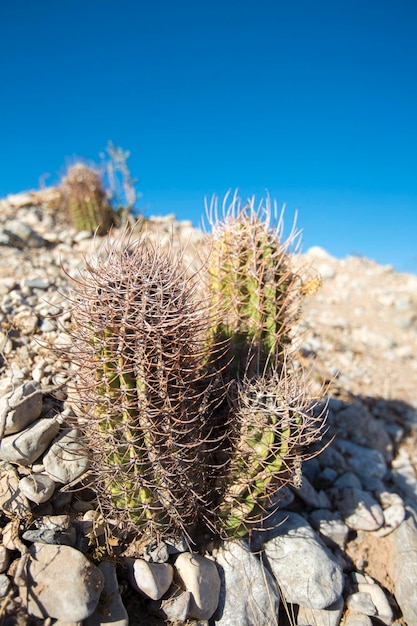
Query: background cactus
194, 415
85, 200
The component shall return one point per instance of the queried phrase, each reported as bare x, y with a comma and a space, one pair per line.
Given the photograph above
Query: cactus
139, 340
251, 278
194, 414
85, 200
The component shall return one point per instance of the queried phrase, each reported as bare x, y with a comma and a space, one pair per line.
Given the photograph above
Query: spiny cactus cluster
85, 200
192, 410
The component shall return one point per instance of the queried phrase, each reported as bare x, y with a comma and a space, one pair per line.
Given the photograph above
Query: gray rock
174, 608
310, 496
12, 500
358, 508
200, 577
402, 566
37, 487
22, 406
362, 460
110, 608
361, 602
21, 235
345, 423
330, 525
394, 515
305, 569
62, 583
379, 600
66, 460
150, 579
28, 445
324, 617
248, 593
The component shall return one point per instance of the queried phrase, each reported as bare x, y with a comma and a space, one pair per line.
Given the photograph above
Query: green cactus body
139, 336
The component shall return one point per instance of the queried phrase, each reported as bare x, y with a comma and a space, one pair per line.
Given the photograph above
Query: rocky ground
341, 549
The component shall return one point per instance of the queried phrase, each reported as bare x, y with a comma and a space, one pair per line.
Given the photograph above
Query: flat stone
37, 487
248, 593
110, 608
66, 460
150, 579
29, 444
303, 566
200, 577
62, 583
358, 508
22, 406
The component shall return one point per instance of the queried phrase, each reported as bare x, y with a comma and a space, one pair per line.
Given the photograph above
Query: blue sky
315, 101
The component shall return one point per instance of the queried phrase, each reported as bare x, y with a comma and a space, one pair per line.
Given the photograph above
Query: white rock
379, 600
63, 583
37, 487
304, 568
402, 566
394, 515
200, 577
330, 525
66, 460
151, 579
248, 594
359, 509
28, 445
361, 602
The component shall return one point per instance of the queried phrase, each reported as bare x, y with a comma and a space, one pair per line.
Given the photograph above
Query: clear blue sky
314, 100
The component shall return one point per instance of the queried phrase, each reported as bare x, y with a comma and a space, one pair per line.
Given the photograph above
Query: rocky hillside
341, 549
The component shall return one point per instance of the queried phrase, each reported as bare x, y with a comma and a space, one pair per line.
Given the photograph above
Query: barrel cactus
192, 411
85, 200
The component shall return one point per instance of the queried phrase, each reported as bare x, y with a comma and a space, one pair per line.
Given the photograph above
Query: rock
394, 515
358, 508
310, 496
330, 525
324, 617
356, 619
37, 487
248, 593
402, 566
66, 460
175, 608
21, 235
305, 569
4, 558
361, 602
62, 583
110, 608
4, 585
12, 500
200, 577
150, 579
28, 445
361, 460
22, 406
379, 600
